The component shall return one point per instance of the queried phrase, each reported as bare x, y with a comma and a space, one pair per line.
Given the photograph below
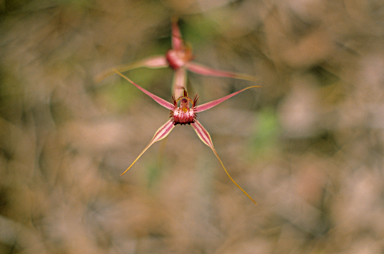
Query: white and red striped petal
160, 134
204, 136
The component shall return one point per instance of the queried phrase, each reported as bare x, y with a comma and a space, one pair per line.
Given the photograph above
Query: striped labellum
185, 109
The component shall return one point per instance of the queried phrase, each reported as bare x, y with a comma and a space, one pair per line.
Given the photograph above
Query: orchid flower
182, 113
179, 58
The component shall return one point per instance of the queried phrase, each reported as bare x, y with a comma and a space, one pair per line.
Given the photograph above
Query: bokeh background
307, 145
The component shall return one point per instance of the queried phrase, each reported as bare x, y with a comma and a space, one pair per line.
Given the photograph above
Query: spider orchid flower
182, 113
179, 58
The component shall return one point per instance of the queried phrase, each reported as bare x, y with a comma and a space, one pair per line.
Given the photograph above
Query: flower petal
206, 138
179, 82
161, 133
211, 104
203, 70
155, 62
156, 98
152, 62
177, 39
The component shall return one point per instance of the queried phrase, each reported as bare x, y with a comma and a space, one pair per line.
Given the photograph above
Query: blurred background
307, 145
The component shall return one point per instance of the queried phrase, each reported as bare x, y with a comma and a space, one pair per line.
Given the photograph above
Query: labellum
183, 114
